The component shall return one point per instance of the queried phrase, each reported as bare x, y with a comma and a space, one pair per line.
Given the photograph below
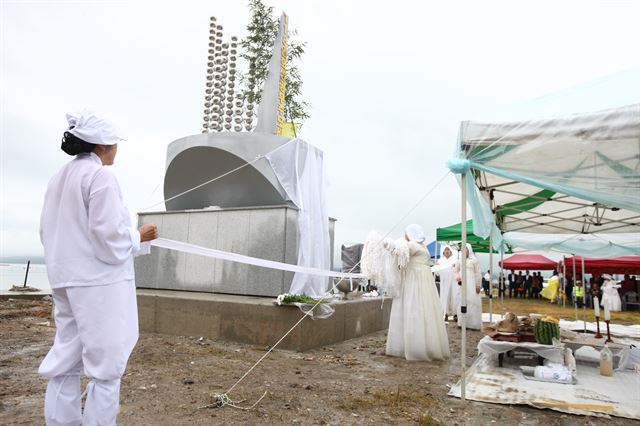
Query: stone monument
221, 193
245, 212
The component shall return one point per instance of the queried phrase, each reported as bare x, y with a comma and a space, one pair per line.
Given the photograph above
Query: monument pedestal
256, 320
269, 232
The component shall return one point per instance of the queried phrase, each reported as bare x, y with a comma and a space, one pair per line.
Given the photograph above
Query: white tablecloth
492, 347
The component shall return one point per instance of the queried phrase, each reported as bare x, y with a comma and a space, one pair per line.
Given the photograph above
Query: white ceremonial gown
474, 301
611, 296
89, 246
416, 328
449, 289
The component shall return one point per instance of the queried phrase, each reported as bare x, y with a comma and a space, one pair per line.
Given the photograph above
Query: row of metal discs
219, 111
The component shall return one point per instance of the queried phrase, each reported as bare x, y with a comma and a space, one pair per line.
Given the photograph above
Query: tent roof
572, 175
528, 262
617, 265
454, 233
577, 174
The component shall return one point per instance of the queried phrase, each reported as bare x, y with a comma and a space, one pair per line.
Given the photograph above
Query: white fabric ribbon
240, 258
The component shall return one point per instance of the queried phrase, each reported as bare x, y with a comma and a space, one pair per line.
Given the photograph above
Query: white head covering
470, 251
92, 128
453, 249
415, 233
607, 277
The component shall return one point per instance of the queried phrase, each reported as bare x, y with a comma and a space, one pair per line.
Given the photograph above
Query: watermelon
545, 330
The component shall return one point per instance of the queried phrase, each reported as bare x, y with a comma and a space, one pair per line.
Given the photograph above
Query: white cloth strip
240, 258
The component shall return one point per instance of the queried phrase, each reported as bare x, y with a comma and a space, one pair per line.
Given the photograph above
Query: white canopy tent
576, 174
548, 183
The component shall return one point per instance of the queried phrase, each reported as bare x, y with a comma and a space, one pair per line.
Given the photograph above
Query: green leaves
257, 48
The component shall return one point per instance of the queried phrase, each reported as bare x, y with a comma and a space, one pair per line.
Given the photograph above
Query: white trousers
96, 330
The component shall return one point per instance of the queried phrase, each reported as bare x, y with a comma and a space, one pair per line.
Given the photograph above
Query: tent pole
575, 279
584, 302
502, 273
463, 290
564, 282
490, 278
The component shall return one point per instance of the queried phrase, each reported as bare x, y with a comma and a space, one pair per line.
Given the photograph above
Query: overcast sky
388, 84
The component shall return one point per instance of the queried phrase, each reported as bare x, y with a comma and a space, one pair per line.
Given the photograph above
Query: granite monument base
269, 232
256, 320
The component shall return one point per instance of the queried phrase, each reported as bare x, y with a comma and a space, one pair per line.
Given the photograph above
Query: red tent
528, 262
616, 265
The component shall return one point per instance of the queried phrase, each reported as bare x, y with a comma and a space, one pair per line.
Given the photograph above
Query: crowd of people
530, 285
600, 286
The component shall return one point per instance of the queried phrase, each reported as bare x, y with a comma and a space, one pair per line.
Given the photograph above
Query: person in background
626, 285
502, 285
449, 289
569, 289
528, 285
512, 284
551, 291
486, 282
520, 284
578, 293
538, 285
610, 295
473, 279
594, 291
89, 244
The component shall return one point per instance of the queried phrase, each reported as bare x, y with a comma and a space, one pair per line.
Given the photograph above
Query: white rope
259, 157
222, 399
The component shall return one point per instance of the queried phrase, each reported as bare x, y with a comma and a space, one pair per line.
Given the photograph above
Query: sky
388, 84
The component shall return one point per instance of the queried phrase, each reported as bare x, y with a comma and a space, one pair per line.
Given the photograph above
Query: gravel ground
170, 379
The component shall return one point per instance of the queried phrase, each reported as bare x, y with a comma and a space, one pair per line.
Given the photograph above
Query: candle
596, 306
607, 314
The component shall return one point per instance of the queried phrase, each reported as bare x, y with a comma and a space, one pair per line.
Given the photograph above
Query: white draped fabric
416, 328
248, 260
299, 168
474, 302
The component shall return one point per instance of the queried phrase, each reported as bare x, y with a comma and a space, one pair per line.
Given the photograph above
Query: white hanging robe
417, 331
474, 301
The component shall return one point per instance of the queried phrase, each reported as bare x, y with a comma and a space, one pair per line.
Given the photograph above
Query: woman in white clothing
89, 245
449, 290
416, 329
474, 302
610, 293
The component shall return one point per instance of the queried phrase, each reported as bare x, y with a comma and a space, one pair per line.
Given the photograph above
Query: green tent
454, 233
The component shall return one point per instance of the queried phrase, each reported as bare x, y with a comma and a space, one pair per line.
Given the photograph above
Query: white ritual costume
89, 245
610, 294
449, 288
416, 328
474, 302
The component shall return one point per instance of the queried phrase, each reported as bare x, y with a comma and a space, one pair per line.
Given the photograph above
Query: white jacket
85, 228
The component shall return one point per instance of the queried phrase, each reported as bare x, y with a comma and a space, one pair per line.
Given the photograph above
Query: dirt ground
169, 381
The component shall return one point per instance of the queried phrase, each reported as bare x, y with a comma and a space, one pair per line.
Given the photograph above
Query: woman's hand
148, 232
